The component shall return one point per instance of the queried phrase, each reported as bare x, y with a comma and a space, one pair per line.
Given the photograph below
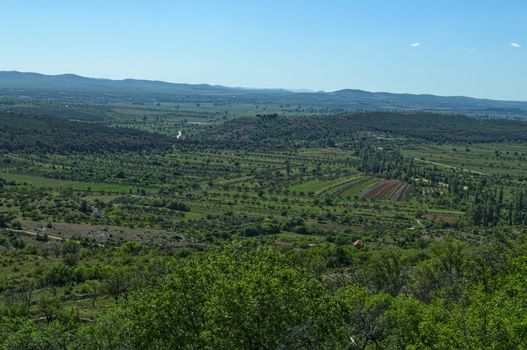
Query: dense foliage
329, 131
54, 135
448, 296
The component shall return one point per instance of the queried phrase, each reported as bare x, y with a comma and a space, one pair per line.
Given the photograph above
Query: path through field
34, 234
450, 166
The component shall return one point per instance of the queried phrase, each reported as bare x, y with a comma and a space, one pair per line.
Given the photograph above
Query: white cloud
515, 45
415, 44
470, 49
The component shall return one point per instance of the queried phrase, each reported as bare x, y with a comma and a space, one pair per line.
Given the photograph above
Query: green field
495, 159
43, 182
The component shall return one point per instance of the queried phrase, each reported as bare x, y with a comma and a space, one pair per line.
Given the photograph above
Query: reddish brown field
398, 195
383, 190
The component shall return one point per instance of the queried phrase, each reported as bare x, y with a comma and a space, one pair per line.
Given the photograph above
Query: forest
339, 128
209, 224
22, 133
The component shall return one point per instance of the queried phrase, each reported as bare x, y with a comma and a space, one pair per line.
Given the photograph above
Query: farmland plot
341, 187
388, 189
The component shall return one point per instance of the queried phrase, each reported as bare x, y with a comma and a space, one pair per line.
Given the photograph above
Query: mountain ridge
15, 83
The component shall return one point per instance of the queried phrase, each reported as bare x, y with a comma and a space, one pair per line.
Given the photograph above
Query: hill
74, 87
55, 135
282, 132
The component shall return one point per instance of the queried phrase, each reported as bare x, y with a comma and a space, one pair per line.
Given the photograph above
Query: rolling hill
70, 86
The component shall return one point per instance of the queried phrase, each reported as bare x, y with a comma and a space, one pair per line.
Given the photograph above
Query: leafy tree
362, 314
70, 252
118, 283
241, 298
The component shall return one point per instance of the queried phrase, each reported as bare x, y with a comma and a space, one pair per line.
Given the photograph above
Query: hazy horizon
296, 90
446, 49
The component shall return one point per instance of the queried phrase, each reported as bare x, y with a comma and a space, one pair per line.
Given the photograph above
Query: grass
496, 159
315, 185
44, 182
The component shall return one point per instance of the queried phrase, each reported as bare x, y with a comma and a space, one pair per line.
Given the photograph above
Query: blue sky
463, 47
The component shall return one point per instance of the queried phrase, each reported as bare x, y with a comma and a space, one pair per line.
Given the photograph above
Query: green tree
70, 252
238, 299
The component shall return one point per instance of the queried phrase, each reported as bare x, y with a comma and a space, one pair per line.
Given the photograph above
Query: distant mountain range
72, 82
70, 86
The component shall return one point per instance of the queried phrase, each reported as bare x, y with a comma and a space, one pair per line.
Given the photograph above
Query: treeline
482, 197
388, 163
329, 131
30, 134
490, 208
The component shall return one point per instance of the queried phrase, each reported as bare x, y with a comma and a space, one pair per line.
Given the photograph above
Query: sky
464, 47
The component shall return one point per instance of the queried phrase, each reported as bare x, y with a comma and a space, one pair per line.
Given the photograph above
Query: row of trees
483, 197
490, 208
387, 163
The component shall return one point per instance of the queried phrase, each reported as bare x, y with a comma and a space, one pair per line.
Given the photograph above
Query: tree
239, 298
6, 219
85, 207
362, 314
118, 283
48, 308
70, 252
94, 289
